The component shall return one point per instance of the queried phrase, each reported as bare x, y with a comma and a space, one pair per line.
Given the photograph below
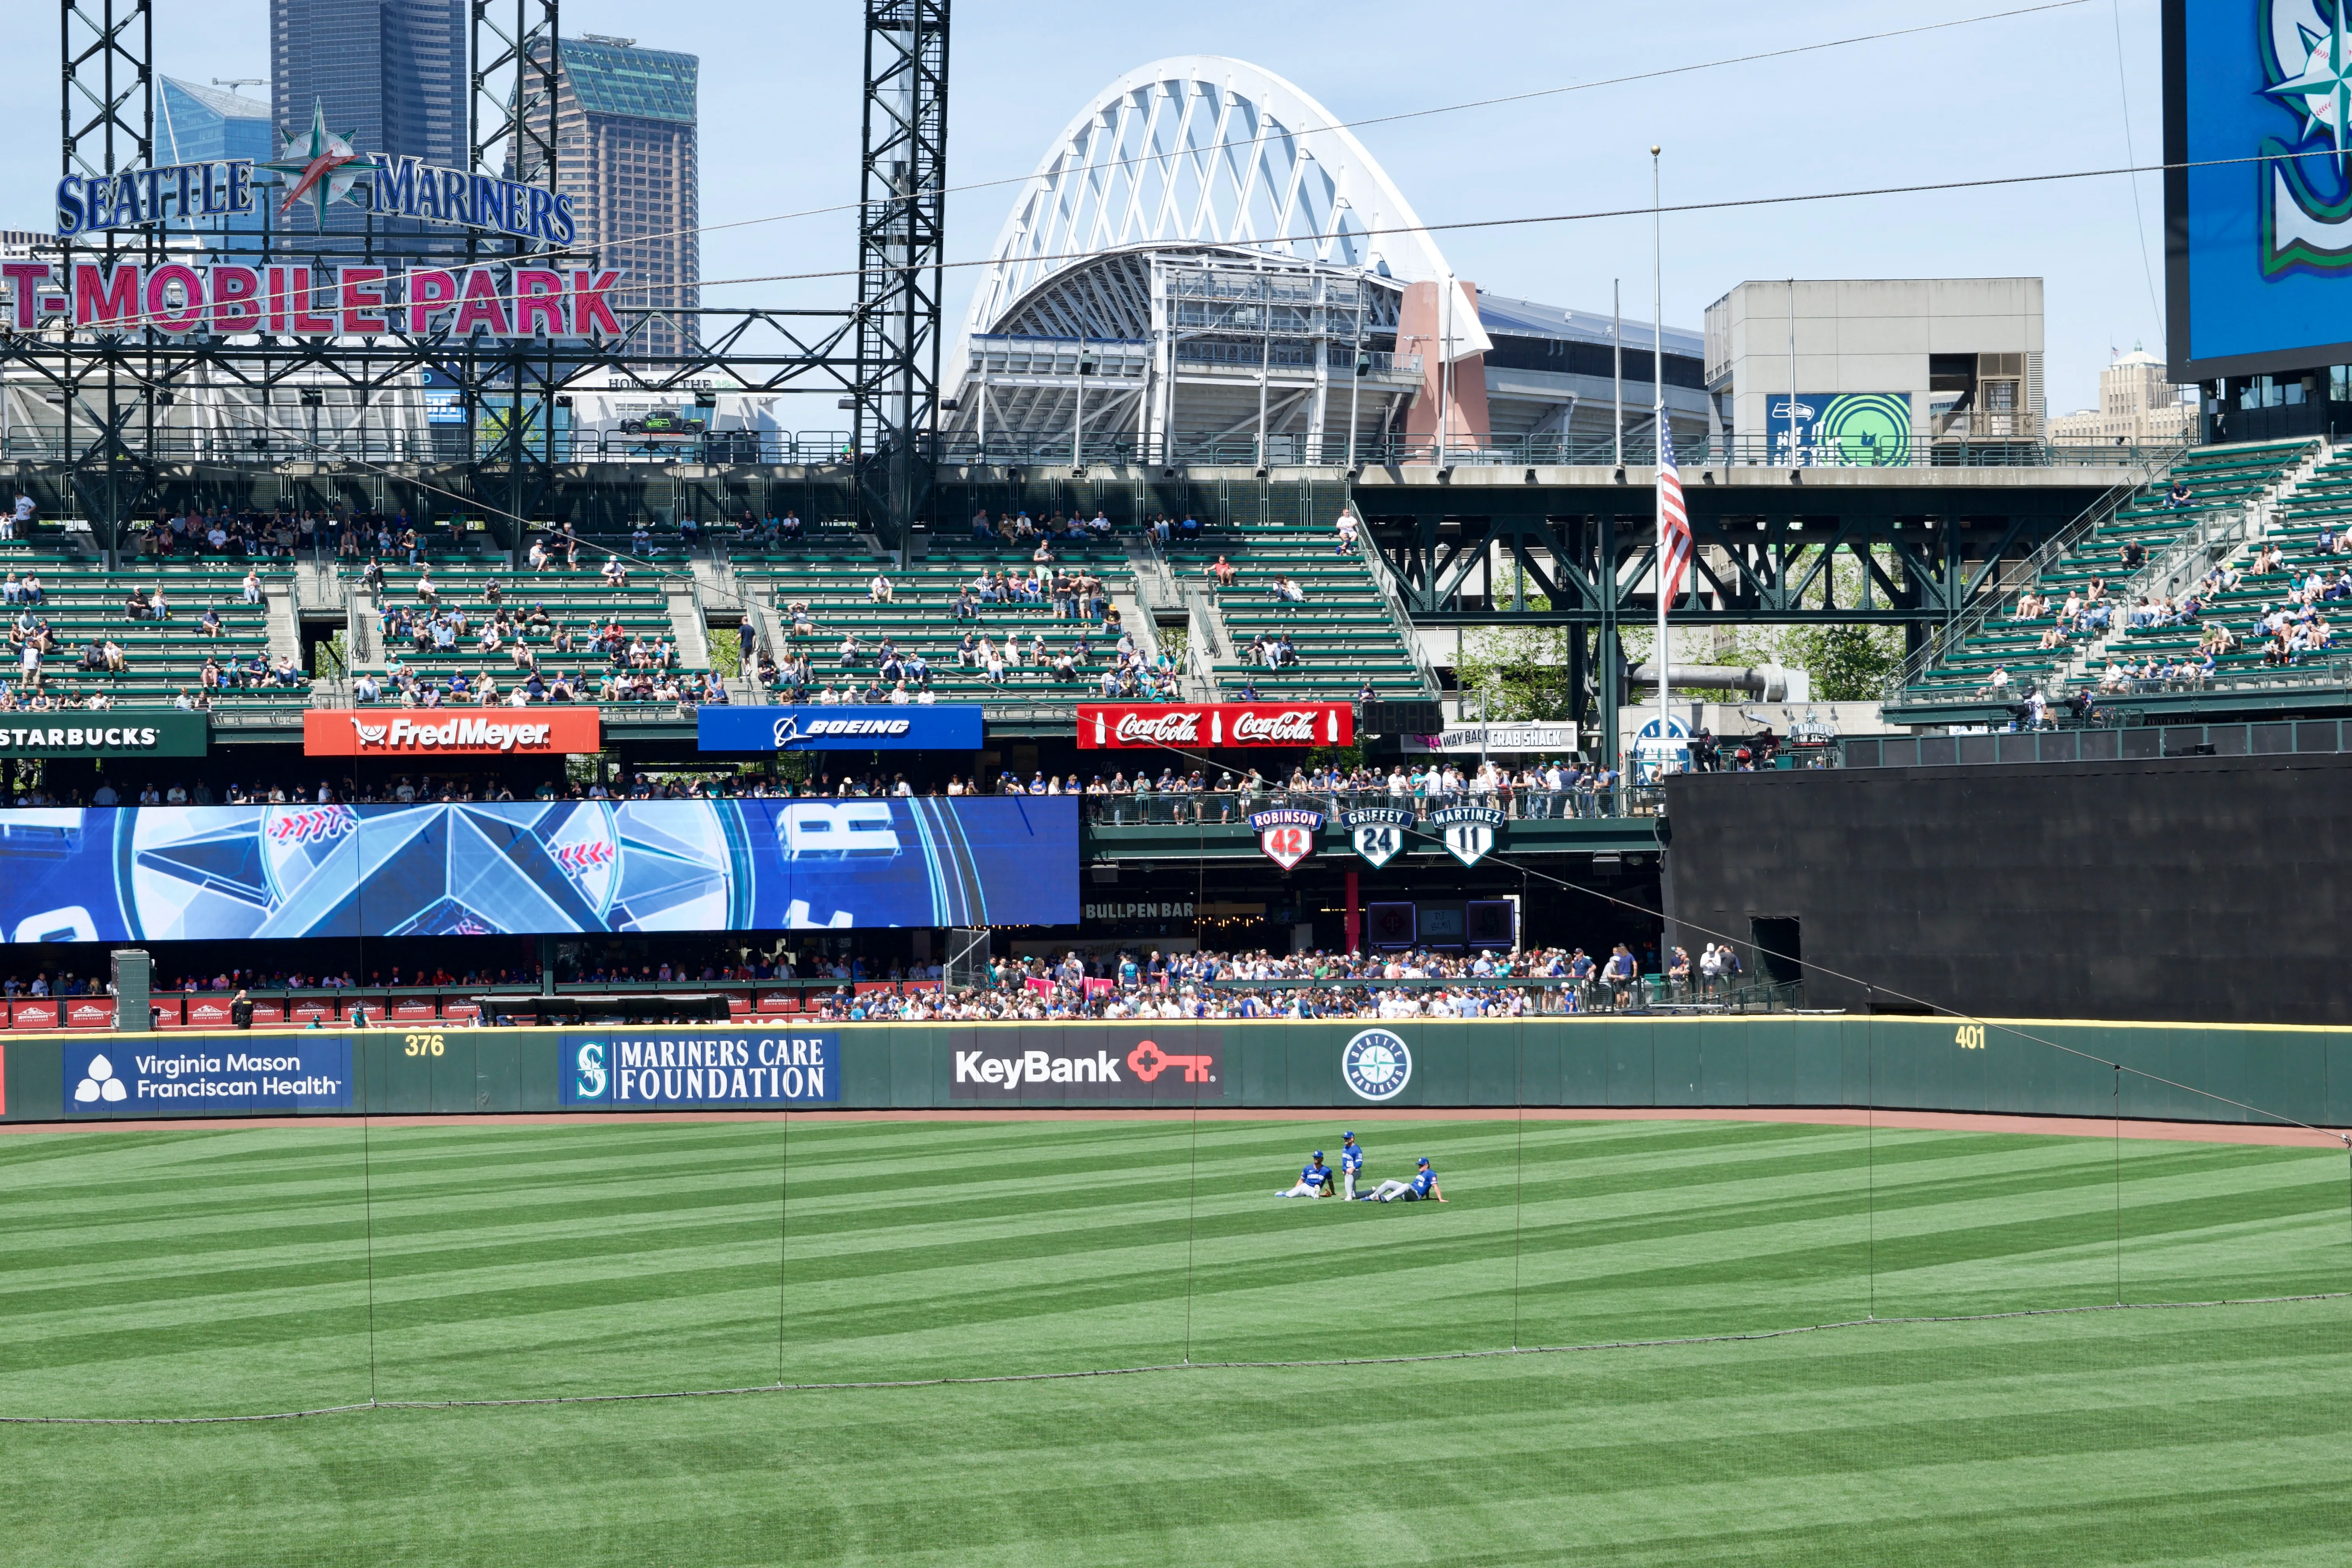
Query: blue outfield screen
173, 873
2257, 106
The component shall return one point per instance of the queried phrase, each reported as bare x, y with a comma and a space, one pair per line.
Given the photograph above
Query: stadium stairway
1346, 632
2231, 490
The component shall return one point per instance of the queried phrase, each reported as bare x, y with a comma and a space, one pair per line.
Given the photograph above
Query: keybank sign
701, 1069
261, 1072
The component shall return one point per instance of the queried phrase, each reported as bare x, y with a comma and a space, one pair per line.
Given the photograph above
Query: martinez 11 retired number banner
1468, 830
706, 1067
1112, 725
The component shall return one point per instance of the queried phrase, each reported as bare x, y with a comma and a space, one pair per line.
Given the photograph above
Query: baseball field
1736, 1342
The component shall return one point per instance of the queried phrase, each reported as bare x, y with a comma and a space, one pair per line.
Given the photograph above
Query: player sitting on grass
1351, 1164
1423, 1185
1314, 1180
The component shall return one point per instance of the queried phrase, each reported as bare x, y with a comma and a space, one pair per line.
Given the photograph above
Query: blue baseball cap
1344, 1136
1422, 1161
1318, 1153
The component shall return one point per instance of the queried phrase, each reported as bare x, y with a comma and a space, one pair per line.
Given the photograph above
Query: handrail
1941, 641
1376, 566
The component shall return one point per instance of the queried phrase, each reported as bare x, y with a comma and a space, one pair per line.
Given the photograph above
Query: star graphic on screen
318, 164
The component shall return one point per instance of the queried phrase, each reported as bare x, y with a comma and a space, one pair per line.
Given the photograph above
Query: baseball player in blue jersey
1351, 1164
1314, 1180
1423, 1185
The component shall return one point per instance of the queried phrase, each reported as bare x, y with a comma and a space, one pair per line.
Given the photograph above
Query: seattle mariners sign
1376, 1064
1287, 833
1378, 832
619, 1072
1469, 830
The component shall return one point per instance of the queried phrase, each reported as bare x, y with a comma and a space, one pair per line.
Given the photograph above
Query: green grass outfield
233, 1272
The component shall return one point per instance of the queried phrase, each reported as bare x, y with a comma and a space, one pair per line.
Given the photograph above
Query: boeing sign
899, 728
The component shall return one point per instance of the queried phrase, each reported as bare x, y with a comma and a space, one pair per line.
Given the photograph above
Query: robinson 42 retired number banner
1127, 724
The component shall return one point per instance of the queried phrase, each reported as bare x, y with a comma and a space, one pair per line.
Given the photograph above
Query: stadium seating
1345, 633
2220, 479
83, 603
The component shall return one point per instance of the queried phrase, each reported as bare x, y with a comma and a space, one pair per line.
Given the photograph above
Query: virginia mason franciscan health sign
257, 1072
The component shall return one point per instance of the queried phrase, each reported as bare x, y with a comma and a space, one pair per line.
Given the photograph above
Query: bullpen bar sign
735, 1067
121, 732
1178, 1066
259, 1072
430, 731
907, 727
1110, 725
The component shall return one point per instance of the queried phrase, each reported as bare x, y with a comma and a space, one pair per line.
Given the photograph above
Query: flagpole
1658, 390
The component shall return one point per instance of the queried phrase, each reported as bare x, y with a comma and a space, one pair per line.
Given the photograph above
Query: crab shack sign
425, 733
1129, 724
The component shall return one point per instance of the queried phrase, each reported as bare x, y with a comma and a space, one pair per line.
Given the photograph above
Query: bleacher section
831, 573
577, 600
2219, 480
83, 603
1345, 633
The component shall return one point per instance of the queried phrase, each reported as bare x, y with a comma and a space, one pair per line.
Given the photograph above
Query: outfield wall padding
2040, 1068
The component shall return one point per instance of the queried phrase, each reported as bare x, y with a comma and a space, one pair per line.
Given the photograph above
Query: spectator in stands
879, 591
18, 523
1348, 539
1221, 572
12, 591
34, 596
615, 572
2178, 496
110, 655
250, 590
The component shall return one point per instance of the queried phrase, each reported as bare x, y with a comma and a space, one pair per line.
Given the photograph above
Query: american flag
1674, 519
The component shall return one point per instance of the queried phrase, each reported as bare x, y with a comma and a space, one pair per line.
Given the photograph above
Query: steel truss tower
901, 225
118, 459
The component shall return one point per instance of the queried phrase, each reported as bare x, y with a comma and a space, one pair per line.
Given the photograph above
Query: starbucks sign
112, 732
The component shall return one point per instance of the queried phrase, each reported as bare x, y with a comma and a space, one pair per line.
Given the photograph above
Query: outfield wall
2304, 1074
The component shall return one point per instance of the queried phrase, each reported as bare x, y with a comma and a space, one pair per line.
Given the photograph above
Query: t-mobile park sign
176, 299
1124, 725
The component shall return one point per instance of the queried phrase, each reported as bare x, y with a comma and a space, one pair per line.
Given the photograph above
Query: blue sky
2029, 94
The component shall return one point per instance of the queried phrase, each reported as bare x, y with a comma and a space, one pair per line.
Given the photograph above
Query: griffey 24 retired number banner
1117, 724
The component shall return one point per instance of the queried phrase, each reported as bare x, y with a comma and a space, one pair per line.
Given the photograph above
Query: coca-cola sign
1111, 725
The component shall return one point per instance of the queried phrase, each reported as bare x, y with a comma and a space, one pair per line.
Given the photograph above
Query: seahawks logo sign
1378, 832
1468, 830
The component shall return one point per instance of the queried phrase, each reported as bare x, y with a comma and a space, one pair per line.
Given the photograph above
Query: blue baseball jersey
1315, 1175
1422, 1181
1351, 1159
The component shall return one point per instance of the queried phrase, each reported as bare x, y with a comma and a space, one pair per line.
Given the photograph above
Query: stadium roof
609, 77
1527, 319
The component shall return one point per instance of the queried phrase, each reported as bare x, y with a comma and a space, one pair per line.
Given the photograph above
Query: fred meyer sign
120, 733
423, 732
261, 1072
902, 727
702, 1068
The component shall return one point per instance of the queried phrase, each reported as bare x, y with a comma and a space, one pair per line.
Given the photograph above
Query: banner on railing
1112, 725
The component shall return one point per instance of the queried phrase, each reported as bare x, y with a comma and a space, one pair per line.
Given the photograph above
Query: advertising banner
947, 727
1534, 735
425, 734
1840, 430
1111, 725
1172, 1062
704, 1068
258, 1072
169, 873
2257, 192
120, 732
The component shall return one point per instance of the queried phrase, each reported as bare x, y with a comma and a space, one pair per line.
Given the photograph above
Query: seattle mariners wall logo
1377, 1065
1378, 832
2306, 58
591, 1079
1469, 830
1287, 834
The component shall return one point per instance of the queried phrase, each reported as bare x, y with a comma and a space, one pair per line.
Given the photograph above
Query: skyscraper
194, 123
624, 125
391, 71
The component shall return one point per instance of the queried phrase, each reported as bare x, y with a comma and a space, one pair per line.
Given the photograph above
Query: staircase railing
2092, 519
1376, 567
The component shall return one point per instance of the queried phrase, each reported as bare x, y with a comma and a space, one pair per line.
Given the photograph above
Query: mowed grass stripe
2167, 1438
514, 1259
